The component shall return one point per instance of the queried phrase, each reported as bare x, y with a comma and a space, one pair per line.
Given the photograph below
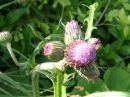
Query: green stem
59, 88
104, 11
8, 45
35, 84
7, 4
16, 51
90, 21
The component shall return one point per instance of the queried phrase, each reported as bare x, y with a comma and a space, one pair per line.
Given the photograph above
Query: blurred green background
33, 21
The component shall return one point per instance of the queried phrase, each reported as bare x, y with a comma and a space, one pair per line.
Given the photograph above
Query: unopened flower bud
5, 37
54, 50
80, 53
89, 72
72, 32
95, 42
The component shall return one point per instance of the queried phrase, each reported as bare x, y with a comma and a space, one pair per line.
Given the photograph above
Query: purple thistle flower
72, 32
95, 42
80, 53
54, 50
48, 49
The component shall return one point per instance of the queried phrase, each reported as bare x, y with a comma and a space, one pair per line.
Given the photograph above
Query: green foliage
117, 79
13, 16
32, 23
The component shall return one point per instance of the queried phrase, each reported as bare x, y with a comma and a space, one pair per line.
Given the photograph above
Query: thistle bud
72, 32
54, 50
80, 53
89, 72
5, 37
95, 42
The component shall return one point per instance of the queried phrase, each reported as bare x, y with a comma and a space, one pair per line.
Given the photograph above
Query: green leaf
44, 27
126, 31
119, 15
6, 92
12, 83
14, 15
69, 80
36, 33
84, 87
122, 1
114, 56
127, 6
117, 79
35, 52
63, 2
116, 45
18, 36
125, 50
122, 15
58, 37
1, 20
112, 14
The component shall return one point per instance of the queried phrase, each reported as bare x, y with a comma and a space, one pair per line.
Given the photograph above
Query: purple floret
48, 49
80, 53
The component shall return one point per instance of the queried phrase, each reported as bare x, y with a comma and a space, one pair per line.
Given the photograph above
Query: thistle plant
79, 53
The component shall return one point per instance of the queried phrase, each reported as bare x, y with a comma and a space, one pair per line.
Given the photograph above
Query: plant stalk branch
103, 13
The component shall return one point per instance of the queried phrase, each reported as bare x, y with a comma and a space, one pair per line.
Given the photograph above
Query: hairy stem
59, 88
35, 84
8, 45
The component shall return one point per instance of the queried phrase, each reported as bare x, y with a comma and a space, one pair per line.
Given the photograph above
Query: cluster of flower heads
78, 53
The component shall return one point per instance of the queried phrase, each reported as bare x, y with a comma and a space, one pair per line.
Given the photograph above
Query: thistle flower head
5, 37
54, 50
95, 42
72, 32
80, 53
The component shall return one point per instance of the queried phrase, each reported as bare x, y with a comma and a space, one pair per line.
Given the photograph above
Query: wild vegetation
33, 23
